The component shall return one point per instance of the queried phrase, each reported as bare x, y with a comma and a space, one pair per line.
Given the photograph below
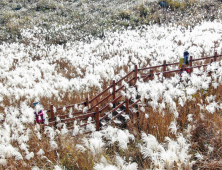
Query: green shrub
44, 5
125, 14
143, 10
173, 4
3, 2
7, 16
135, 19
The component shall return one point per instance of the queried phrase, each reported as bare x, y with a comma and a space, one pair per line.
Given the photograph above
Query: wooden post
127, 105
151, 74
211, 61
135, 74
215, 56
97, 118
87, 102
164, 68
52, 113
191, 64
114, 92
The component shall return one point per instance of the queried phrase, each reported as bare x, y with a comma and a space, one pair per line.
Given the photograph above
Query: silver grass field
178, 125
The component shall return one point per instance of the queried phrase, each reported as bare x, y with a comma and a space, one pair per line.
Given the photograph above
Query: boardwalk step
126, 116
103, 122
117, 122
120, 117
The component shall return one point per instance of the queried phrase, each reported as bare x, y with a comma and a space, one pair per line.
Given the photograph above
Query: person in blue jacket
186, 58
185, 61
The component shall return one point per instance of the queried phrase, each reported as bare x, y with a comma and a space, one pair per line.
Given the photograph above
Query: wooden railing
132, 81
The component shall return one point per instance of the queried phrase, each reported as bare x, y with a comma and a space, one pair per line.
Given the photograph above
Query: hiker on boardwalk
39, 113
186, 58
185, 61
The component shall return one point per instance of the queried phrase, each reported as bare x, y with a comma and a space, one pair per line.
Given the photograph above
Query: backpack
181, 62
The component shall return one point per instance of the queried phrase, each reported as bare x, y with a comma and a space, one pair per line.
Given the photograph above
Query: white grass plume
173, 127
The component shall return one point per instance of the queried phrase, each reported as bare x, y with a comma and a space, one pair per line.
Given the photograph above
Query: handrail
100, 101
166, 72
113, 101
172, 71
203, 58
145, 77
87, 132
115, 117
200, 66
50, 123
81, 125
60, 108
135, 103
75, 113
125, 77
111, 86
177, 63
121, 87
170, 64
150, 67
100, 93
77, 117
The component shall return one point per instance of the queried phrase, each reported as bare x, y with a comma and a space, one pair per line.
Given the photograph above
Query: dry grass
207, 133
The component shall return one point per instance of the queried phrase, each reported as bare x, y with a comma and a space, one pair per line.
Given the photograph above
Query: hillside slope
75, 20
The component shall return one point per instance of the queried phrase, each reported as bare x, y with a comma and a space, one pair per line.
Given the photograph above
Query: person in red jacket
39, 113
